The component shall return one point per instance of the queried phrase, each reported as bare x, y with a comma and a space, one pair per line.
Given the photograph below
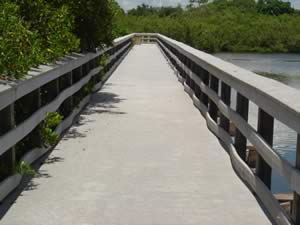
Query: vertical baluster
37, 134
213, 109
225, 96
266, 129
192, 68
69, 101
296, 201
184, 71
180, 64
198, 91
186, 74
205, 78
12, 124
7, 159
189, 80
242, 108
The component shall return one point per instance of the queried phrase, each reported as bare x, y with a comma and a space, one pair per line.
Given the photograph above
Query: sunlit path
140, 154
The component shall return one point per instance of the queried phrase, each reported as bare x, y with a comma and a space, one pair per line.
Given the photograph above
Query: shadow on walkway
101, 102
28, 181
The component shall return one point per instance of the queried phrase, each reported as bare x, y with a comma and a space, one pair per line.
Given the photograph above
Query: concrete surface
140, 154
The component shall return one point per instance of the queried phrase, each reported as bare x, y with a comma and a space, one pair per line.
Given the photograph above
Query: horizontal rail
9, 184
15, 135
197, 71
243, 170
12, 91
70, 80
272, 96
282, 166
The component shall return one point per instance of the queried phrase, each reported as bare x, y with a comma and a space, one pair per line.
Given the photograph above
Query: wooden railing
63, 87
210, 82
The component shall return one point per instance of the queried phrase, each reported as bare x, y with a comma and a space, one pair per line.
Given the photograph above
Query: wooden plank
225, 96
283, 197
282, 166
274, 97
265, 129
47, 73
296, 202
204, 75
212, 108
240, 141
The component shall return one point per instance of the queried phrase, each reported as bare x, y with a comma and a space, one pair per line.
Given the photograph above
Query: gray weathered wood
265, 128
212, 108
240, 141
226, 98
270, 95
296, 201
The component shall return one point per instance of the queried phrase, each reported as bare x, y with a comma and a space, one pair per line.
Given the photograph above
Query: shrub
54, 27
19, 47
24, 169
93, 21
52, 120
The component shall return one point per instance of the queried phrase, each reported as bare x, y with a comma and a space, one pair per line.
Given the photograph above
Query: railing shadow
28, 182
104, 102
260, 203
101, 102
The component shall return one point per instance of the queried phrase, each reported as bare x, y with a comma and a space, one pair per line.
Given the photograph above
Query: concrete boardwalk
141, 154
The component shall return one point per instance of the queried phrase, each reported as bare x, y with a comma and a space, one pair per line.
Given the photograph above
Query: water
286, 69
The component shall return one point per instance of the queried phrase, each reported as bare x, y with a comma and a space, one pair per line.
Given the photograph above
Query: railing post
198, 91
187, 75
205, 79
7, 159
185, 64
213, 109
266, 129
240, 141
225, 96
192, 66
296, 200
37, 134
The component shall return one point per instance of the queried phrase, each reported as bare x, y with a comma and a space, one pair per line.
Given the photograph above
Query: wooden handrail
204, 77
201, 73
79, 70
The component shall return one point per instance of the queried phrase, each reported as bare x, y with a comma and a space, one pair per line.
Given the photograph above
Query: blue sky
129, 4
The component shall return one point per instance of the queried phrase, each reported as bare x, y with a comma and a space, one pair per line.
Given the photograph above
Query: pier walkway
140, 154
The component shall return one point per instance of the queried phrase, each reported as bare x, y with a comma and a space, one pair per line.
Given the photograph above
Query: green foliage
146, 10
24, 169
93, 21
223, 26
19, 47
40, 31
274, 7
53, 24
88, 88
103, 60
53, 119
49, 137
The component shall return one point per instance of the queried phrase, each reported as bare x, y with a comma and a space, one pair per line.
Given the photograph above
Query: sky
129, 4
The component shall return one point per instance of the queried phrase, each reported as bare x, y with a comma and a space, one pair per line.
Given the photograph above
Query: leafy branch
52, 120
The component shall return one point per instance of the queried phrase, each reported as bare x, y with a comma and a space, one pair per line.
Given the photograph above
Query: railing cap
276, 98
10, 91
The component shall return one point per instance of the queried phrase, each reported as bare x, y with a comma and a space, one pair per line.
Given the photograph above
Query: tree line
221, 25
40, 31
